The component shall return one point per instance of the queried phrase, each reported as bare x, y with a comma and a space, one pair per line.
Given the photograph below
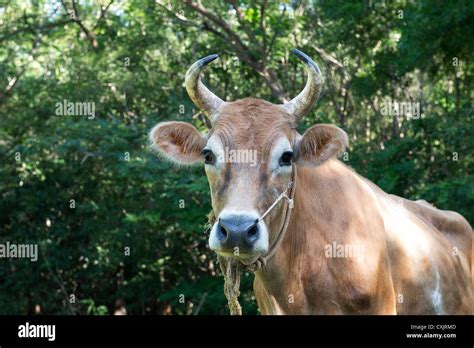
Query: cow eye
209, 157
285, 159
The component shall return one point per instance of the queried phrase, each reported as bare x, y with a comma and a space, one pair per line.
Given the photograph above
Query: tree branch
328, 57
184, 21
32, 30
242, 51
103, 14
13, 81
75, 18
248, 31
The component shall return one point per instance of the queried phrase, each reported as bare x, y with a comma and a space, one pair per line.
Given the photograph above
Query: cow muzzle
240, 235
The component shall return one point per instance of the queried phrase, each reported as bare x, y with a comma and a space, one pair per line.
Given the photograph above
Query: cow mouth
246, 258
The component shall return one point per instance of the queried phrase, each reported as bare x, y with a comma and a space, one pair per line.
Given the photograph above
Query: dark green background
130, 59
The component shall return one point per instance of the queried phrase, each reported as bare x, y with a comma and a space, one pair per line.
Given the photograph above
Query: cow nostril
252, 231
223, 231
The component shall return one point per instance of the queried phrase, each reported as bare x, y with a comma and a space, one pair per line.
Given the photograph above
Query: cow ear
320, 143
180, 142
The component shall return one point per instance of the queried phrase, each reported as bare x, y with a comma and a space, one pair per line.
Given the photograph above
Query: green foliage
108, 215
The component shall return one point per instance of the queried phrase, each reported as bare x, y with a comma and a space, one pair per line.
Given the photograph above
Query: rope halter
291, 188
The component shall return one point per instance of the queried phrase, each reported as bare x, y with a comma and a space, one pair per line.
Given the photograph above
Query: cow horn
198, 92
302, 103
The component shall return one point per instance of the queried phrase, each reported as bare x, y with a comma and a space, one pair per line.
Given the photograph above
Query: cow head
248, 157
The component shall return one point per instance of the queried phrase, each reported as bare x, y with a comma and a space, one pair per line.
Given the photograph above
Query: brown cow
349, 247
